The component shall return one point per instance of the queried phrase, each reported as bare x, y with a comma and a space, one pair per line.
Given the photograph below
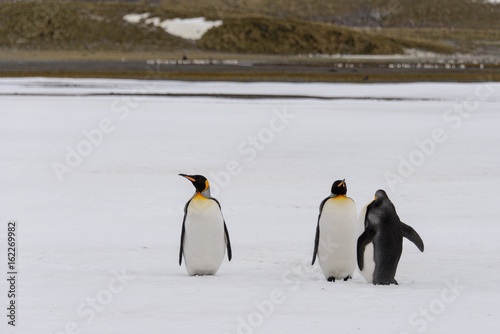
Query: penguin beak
341, 183
188, 177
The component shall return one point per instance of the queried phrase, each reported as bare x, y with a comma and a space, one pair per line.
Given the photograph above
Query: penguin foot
331, 279
347, 278
393, 281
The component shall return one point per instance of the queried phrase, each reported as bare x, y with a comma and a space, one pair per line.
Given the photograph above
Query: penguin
336, 234
204, 236
379, 247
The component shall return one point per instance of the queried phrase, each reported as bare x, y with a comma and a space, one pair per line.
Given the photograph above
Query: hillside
256, 26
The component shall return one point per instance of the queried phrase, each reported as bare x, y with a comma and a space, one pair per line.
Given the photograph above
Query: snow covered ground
93, 184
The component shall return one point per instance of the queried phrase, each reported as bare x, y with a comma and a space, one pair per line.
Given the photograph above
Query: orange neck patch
199, 196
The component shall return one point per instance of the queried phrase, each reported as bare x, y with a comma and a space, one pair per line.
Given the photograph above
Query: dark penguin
383, 240
204, 236
336, 234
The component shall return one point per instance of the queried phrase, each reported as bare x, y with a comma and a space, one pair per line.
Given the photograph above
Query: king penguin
204, 236
380, 245
336, 234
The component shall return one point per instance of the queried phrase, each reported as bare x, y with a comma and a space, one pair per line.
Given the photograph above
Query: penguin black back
384, 228
388, 243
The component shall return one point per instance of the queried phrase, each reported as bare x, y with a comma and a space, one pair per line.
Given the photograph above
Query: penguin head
380, 194
339, 187
199, 182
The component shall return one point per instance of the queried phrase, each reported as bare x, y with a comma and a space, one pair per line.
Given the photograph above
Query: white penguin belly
368, 260
368, 263
204, 240
338, 237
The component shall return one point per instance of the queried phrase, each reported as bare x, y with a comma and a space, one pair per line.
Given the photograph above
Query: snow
420, 91
190, 28
135, 18
98, 249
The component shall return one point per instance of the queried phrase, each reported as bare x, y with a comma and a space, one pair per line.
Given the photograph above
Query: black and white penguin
380, 245
204, 236
336, 234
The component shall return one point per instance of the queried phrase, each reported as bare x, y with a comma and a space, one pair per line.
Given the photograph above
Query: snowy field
92, 181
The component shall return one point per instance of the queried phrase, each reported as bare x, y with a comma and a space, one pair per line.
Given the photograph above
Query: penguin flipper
316, 243
182, 243
364, 239
226, 234
412, 235
183, 231
228, 243
316, 240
